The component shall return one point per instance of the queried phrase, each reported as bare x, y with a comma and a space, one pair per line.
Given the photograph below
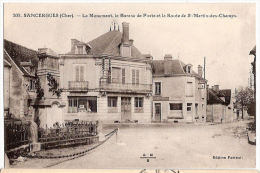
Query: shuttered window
157, 88
189, 92
137, 76
115, 75
133, 76
123, 76
79, 73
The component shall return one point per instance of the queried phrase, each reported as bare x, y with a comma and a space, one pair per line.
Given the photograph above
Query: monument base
35, 147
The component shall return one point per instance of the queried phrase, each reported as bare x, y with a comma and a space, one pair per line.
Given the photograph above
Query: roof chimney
131, 41
167, 57
200, 70
125, 36
73, 44
148, 56
215, 88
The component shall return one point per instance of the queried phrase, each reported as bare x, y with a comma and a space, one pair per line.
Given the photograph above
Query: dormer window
188, 68
79, 49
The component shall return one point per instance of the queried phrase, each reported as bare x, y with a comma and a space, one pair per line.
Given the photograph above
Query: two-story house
179, 94
106, 79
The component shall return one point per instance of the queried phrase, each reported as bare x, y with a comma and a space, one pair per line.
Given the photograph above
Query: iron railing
126, 87
69, 133
78, 85
17, 133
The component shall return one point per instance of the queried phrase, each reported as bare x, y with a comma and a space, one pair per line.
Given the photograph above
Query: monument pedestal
101, 136
35, 147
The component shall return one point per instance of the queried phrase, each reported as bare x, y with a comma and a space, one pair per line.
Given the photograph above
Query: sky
225, 42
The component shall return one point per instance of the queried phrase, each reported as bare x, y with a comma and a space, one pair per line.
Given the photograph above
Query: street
171, 146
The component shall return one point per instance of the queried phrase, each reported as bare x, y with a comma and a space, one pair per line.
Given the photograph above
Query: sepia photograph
151, 87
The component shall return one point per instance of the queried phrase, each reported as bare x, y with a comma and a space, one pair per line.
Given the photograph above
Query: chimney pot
200, 70
168, 57
125, 36
73, 44
131, 41
215, 88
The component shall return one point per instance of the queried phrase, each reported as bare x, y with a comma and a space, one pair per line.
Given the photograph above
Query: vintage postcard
129, 86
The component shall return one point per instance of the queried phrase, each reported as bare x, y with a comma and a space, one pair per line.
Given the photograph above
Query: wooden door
126, 108
157, 112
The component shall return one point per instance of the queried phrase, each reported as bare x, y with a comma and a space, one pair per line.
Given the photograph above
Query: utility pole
204, 68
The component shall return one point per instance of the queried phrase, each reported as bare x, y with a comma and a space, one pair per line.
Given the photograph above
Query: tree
244, 97
253, 105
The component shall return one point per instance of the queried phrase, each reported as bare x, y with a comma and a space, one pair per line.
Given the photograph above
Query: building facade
220, 105
179, 94
106, 79
20, 64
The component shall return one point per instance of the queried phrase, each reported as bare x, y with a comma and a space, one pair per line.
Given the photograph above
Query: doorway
157, 116
126, 108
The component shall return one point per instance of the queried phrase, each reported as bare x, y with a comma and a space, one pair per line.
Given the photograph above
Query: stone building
106, 79
220, 108
20, 64
179, 93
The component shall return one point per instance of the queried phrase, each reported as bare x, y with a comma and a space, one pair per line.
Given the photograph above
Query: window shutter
137, 76
123, 76
189, 89
133, 76
77, 72
81, 73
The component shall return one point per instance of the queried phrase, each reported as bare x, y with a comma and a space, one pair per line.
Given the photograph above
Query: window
115, 75
175, 106
189, 92
80, 49
31, 85
82, 104
123, 76
157, 88
133, 76
189, 106
139, 102
137, 76
112, 101
79, 72
188, 69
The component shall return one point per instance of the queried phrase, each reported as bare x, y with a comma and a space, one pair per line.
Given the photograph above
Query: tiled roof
6, 60
213, 98
170, 67
253, 51
20, 54
227, 95
109, 43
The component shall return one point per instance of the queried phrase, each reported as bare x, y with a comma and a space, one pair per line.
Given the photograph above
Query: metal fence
68, 134
17, 133
78, 85
126, 87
